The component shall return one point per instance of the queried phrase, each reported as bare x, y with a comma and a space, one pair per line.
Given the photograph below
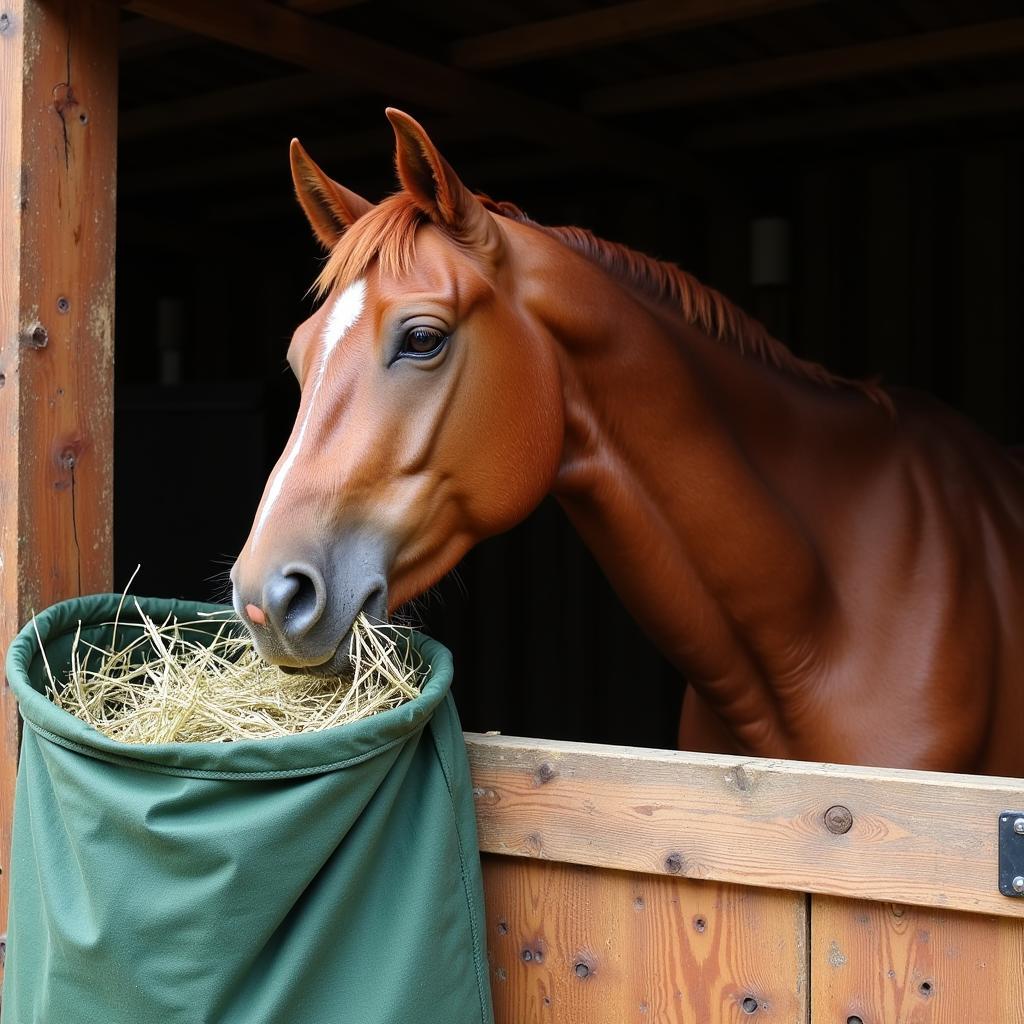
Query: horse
829, 563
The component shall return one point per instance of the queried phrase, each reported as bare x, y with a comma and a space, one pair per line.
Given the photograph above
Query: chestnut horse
830, 566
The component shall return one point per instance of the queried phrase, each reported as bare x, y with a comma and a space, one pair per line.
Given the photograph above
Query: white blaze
342, 317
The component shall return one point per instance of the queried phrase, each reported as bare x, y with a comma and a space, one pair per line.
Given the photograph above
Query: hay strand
171, 684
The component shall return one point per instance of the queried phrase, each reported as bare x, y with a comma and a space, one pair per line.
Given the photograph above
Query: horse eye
423, 341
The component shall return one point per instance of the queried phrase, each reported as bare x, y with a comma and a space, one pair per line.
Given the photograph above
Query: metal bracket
1011, 853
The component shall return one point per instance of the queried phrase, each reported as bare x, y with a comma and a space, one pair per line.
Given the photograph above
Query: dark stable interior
899, 185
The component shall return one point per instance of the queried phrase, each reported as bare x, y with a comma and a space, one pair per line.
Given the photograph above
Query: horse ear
330, 207
437, 189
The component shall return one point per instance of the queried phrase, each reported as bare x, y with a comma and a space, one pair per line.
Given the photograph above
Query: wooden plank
948, 105
576, 945
902, 53
58, 94
606, 26
916, 837
883, 962
407, 77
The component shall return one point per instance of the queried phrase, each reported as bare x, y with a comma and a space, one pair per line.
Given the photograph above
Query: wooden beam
987, 39
250, 100
916, 837
405, 77
949, 105
606, 26
58, 94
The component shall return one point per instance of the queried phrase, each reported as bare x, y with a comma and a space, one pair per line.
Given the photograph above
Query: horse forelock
387, 234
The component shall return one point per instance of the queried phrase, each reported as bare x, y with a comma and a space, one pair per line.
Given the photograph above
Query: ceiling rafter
606, 26
376, 67
986, 39
948, 105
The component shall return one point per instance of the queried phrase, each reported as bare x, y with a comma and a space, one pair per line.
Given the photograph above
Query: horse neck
667, 476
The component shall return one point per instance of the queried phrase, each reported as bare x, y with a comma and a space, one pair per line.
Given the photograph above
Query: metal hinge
1011, 853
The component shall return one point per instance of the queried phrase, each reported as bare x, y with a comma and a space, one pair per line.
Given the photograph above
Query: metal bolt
582, 969
674, 863
1018, 826
749, 1005
838, 819
527, 955
1018, 883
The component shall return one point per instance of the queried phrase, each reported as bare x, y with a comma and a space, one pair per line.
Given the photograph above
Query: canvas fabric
328, 878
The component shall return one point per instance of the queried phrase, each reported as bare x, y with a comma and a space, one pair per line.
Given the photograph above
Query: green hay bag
326, 878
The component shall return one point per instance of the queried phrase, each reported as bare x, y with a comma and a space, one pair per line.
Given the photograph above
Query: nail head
838, 819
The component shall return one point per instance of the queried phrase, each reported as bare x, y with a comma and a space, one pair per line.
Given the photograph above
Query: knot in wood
35, 335
674, 863
838, 819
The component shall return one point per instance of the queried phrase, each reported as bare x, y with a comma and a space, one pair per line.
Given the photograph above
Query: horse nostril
304, 601
293, 601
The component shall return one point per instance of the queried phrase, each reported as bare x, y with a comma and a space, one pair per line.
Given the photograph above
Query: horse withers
830, 565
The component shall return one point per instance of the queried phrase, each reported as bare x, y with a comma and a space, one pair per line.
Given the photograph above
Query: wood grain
917, 837
893, 964
577, 945
58, 97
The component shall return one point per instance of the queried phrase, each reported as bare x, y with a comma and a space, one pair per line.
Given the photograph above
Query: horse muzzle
300, 609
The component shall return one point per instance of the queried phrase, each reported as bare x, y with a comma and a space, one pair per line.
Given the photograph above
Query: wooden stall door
583, 945
885, 963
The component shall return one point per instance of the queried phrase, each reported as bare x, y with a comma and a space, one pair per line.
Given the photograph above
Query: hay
172, 685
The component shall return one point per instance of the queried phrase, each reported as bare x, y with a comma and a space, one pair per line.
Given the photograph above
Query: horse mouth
338, 664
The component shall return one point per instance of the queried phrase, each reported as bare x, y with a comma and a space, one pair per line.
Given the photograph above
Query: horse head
430, 413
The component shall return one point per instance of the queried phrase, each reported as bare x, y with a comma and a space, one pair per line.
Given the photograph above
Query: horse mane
387, 233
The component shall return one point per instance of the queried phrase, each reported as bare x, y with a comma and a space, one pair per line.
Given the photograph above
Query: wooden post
58, 109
